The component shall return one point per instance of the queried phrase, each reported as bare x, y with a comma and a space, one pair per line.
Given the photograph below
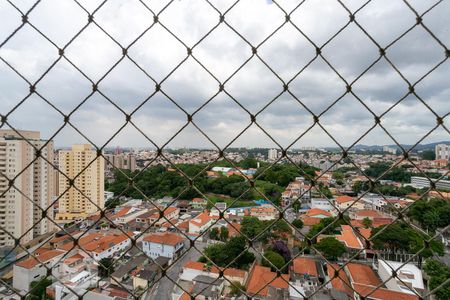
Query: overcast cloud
157, 52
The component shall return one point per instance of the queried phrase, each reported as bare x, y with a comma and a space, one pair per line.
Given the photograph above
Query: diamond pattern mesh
124, 50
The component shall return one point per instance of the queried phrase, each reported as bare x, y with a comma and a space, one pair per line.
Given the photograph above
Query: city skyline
254, 86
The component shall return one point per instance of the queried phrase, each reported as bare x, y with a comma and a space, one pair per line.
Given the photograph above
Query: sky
189, 85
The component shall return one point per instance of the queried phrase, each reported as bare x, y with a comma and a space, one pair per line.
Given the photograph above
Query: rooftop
349, 238
164, 238
362, 274
305, 265
31, 262
262, 278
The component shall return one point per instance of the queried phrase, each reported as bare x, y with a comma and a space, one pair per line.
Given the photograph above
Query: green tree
214, 234
297, 223
236, 288
431, 214
367, 223
38, 289
400, 236
224, 234
105, 267
281, 226
438, 273
273, 260
428, 155
331, 248
327, 226
225, 254
112, 203
251, 226
337, 175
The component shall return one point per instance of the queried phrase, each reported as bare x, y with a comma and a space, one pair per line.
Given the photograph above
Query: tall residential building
442, 151
33, 188
125, 161
272, 154
81, 163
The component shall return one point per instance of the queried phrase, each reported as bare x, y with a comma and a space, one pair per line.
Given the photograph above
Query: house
349, 238
318, 213
143, 277
264, 284
124, 270
199, 203
376, 222
207, 288
153, 218
296, 190
365, 213
304, 277
35, 268
165, 244
73, 264
366, 283
217, 208
264, 212
341, 283
344, 202
184, 206
323, 204
313, 216
234, 229
192, 269
108, 245
409, 279
200, 223
126, 214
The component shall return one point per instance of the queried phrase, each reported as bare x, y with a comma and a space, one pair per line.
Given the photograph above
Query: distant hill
419, 147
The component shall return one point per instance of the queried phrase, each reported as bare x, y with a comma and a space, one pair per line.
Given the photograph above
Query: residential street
164, 287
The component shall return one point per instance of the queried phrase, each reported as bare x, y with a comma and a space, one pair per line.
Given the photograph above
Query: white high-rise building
442, 151
33, 187
272, 154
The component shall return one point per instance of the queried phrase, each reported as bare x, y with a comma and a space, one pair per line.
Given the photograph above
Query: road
164, 287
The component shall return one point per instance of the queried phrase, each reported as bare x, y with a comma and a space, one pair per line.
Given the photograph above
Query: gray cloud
157, 52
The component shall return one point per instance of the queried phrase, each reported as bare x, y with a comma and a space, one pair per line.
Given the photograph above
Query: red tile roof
183, 225
362, 274
81, 241
368, 213
305, 265
201, 219
198, 200
317, 211
365, 232
261, 278
73, 259
344, 199
310, 221
121, 212
164, 238
231, 272
31, 262
340, 283
382, 293
106, 242
349, 238
234, 230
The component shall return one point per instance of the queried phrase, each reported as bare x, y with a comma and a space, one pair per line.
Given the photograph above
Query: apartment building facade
442, 151
81, 164
33, 187
126, 161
